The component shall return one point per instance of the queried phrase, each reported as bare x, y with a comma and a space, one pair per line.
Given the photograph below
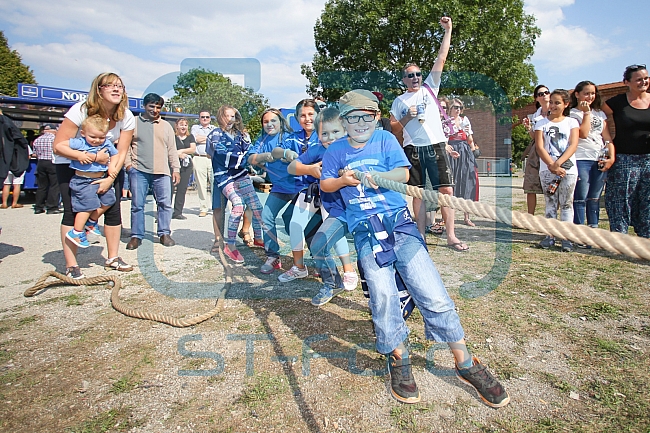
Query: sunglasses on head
635, 68
414, 74
544, 93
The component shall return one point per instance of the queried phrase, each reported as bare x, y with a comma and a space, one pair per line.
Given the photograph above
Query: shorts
428, 162
219, 201
12, 179
84, 197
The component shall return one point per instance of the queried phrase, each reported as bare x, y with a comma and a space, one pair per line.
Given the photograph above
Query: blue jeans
275, 202
441, 322
162, 192
587, 193
329, 235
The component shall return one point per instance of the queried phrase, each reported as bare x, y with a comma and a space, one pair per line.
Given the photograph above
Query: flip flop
458, 246
435, 229
470, 223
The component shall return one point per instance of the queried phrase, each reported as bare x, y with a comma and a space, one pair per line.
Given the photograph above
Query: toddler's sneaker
350, 280
293, 274
74, 272
547, 243
79, 239
271, 264
402, 382
117, 264
234, 255
489, 389
92, 227
567, 246
324, 296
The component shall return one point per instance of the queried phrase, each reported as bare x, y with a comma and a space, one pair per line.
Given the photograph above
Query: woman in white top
594, 142
107, 97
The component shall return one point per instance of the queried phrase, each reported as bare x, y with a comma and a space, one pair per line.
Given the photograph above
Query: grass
26, 321
598, 310
73, 300
263, 387
111, 420
131, 379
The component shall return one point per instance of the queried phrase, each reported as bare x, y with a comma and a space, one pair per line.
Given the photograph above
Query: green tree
12, 69
520, 140
365, 43
199, 89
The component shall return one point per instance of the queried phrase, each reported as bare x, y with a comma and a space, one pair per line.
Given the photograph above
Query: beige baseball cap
359, 99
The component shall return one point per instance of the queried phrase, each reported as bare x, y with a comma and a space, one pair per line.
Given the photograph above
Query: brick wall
489, 135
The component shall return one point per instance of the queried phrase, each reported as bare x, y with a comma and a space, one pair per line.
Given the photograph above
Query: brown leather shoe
167, 241
133, 244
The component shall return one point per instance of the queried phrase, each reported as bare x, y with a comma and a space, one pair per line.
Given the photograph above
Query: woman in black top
186, 145
627, 196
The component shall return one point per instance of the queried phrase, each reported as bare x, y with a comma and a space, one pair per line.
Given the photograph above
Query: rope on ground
631, 246
116, 283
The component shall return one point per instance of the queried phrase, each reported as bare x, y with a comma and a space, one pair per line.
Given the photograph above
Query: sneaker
293, 274
234, 255
92, 228
271, 264
489, 389
117, 264
324, 296
79, 239
547, 243
258, 244
74, 272
584, 246
402, 382
567, 246
350, 280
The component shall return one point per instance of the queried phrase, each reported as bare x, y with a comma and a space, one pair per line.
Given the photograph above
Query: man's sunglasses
544, 93
205, 117
414, 74
635, 68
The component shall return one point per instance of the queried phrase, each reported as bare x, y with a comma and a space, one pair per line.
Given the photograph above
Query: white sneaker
350, 280
293, 274
271, 264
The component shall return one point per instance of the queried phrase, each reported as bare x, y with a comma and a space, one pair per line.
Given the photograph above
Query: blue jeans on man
586, 196
162, 192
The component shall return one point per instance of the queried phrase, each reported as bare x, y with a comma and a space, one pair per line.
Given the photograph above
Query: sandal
436, 229
246, 237
215, 247
459, 246
469, 222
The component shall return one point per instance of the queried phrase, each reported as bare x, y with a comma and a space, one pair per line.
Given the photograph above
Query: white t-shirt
198, 130
589, 148
78, 113
416, 133
556, 136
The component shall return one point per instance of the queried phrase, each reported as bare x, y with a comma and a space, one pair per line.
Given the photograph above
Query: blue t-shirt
332, 201
282, 181
82, 145
381, 153
303, 143
229, 155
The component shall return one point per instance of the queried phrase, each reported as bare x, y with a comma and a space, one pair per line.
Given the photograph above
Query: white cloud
565, 47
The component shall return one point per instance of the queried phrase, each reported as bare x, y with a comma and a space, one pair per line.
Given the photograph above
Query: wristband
284, 154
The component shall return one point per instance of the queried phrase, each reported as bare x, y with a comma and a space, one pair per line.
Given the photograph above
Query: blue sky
67, 42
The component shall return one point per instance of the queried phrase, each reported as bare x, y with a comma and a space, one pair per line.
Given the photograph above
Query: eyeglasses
544, 93
414, 74
113, 86
205, 117
355, 119
635, 68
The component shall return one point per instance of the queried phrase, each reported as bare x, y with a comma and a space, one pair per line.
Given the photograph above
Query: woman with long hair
627, 196
107, 97
532, 185
463, 167
594, 142
228, 146
186, 146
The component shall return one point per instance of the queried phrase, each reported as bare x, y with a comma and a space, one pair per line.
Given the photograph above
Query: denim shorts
84, 197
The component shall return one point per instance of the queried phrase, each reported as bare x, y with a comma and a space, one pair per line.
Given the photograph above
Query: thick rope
631, 246
116, 283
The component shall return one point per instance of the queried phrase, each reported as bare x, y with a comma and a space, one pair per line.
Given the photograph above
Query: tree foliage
199, 89
12, 69
365, 43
